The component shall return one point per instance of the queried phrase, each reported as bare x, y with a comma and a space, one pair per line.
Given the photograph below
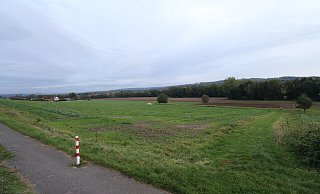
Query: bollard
77, 151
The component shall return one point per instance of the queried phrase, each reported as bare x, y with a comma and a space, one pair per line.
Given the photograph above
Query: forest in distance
235, 89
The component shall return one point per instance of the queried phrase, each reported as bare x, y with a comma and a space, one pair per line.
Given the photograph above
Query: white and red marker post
77, 150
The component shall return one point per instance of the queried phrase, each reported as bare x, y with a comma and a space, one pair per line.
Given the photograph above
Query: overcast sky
55, 46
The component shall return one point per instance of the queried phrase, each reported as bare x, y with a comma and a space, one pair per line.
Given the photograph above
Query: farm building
56, 99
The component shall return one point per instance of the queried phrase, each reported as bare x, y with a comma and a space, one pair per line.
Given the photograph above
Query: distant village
86, 96
51, 98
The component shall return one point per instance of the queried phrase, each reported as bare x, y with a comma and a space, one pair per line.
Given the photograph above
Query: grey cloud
52, 46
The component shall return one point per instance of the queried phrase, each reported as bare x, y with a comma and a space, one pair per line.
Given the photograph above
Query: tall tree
231, 87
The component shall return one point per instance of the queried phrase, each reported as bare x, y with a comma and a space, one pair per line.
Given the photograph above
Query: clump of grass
9, 181
4, 155
83, 163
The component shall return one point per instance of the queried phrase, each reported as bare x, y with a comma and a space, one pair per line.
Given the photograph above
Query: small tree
73, 95
162, 98
205, 98
304, 102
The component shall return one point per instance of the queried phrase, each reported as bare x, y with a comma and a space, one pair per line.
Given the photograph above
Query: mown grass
180, 147
9, 181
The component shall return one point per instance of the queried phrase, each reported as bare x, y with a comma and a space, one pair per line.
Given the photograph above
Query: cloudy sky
55, 46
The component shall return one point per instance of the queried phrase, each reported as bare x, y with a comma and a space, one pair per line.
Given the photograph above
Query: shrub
162, 98
306, 145
301, 134
205, 98
304, 102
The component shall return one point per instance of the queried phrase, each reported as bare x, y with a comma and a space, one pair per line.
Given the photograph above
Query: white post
77, 151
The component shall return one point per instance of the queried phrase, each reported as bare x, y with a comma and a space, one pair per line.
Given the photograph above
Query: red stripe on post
77, 150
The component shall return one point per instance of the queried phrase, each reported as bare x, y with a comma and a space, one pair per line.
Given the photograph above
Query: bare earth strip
225, 102
50, 171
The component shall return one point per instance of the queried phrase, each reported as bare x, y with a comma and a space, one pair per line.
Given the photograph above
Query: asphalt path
50, 170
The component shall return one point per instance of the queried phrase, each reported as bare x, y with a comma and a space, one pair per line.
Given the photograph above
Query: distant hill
10, 95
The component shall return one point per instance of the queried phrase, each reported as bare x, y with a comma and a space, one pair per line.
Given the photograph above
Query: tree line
274, 89
271, 89
194, 90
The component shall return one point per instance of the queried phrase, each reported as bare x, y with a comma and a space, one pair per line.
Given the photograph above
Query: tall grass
301, 134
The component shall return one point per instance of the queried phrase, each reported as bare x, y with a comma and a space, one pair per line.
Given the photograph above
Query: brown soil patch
11, 113
225, 163
119, 117
254, 104
226, 102
170, 99
191, 127
132, 99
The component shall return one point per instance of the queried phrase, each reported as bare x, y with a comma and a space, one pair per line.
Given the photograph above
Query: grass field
10, 182
180, 147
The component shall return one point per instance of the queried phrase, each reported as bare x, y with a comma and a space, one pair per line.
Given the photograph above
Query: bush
306, 145
205, 98
162, 98
301, 134
304, 102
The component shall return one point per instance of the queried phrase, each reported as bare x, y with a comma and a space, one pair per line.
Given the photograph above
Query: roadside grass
9, 181
180, 147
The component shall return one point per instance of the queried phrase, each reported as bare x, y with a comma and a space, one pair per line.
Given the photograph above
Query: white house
55, 99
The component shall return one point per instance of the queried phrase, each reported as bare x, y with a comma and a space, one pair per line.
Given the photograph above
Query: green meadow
180, 147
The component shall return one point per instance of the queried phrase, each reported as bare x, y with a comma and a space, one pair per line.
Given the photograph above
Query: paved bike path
49, 170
